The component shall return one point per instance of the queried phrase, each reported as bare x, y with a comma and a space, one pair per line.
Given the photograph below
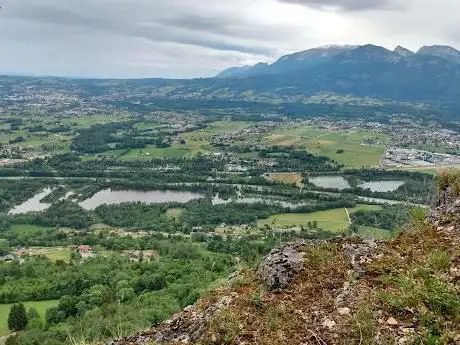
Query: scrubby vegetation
409, 292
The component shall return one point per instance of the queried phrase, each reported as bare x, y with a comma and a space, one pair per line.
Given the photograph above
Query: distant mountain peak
338, 46
371, 52
403, 51
320, 52
442, 51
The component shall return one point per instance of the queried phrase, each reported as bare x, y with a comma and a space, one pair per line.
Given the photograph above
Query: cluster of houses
85, 251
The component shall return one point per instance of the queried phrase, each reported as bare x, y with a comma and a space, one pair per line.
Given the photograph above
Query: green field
335, 220
328, 143
60, 254
52, 253
226, 126
87, 121
145, 125
174, 212
40, 306
189, 150
151, 152
218, 127
376, 233
27, 228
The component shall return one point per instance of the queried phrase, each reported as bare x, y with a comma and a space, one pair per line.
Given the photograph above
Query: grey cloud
175, 33
162, 23
185, 38
347, 5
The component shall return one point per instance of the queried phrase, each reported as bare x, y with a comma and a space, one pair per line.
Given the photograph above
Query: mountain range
315, 57
430, 77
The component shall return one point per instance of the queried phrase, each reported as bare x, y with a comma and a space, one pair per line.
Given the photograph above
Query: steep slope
289, 63
244, 71
308, 58
403, 51
343, 291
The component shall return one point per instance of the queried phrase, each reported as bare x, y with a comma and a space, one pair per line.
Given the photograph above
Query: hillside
343, 291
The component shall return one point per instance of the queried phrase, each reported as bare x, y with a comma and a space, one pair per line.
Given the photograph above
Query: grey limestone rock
279, 268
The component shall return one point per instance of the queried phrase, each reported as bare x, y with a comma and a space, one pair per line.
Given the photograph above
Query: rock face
447, 208
446, 214
184, 327
360, 253
279, 268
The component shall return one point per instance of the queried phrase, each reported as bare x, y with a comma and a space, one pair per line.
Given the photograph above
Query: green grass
335, 220
217, 127
28, 229
227, 126
55, 255
145, 125
89, 120
189, 150
174, 213
327, 143
52, 253
154, 152
41, 307
377, 233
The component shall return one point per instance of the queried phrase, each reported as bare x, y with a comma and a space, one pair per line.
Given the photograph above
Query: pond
114, 197
334, 182
33, 204
381, 186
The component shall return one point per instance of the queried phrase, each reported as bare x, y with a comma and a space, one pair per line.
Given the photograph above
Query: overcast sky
193, 38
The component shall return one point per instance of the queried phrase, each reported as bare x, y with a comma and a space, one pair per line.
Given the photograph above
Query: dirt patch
288, 178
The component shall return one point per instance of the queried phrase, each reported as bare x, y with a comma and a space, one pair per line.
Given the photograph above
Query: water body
33, 204
381, 186
335, 182
115, 197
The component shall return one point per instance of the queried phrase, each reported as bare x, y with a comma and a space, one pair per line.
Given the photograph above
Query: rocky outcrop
279, 268
358, 254
447, 208
183, 328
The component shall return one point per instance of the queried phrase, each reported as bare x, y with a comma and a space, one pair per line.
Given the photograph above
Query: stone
359, 254
392, 321
344, 311
280, 267
329, 323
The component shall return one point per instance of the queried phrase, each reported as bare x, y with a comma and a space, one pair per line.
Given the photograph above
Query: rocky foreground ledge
342, 291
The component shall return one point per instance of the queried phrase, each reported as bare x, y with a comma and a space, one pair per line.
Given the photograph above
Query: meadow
41, 307
335, 220
52, 253
28, 228
374, 233
345, 147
